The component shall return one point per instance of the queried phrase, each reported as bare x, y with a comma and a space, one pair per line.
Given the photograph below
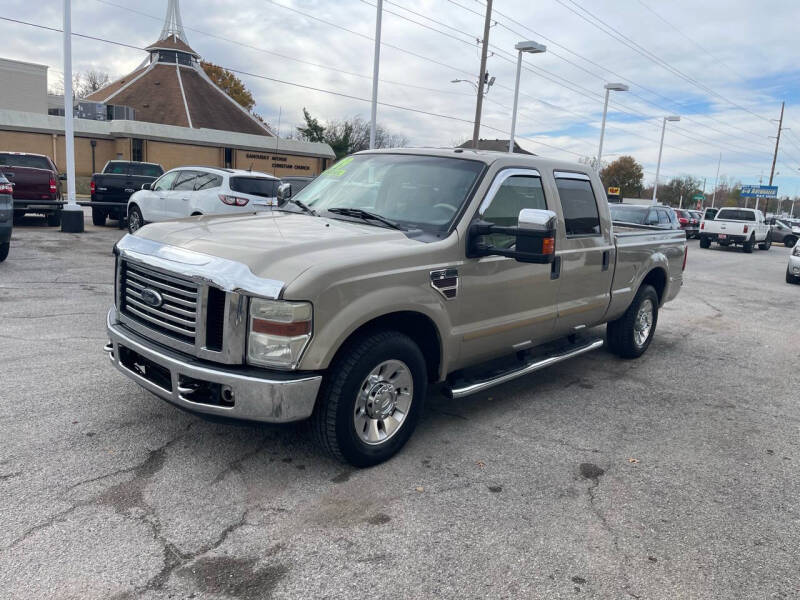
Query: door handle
555, 268
606, 259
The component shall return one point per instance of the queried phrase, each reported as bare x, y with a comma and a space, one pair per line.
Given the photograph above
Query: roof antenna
250, 168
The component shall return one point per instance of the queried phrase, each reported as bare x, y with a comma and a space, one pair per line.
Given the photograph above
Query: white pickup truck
740, 226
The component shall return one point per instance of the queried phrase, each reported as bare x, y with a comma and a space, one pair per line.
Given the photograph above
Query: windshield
255, 186
25, 160
133, 168
424, 192
628, 214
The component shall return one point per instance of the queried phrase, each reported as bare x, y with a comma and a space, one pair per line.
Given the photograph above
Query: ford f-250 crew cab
741, 226
392, 271
116, 183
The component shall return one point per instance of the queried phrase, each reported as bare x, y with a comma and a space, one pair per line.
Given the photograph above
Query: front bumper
250, 394
794, 265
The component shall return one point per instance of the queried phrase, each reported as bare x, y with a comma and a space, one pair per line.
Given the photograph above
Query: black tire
766, 244
705, 242
135, 219
19, 216
620, 334
54, 219
747, 247
6, 246
98, 217
333, 421
791, 278
790, 241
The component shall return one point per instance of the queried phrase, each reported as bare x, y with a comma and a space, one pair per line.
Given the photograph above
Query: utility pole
476, 132
716, 181
375, 67
777, 141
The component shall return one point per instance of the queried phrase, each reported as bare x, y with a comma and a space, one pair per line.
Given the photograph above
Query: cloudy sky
723, 65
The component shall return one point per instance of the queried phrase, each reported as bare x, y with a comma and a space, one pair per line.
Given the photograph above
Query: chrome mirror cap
537, 219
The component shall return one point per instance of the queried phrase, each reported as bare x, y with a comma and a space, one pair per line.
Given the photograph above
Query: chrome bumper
251, 396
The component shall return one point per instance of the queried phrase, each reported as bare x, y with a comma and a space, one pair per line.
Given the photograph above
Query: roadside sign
613, 191
759, 191
698, 197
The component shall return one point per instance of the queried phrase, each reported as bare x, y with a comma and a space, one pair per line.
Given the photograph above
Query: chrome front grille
160, 301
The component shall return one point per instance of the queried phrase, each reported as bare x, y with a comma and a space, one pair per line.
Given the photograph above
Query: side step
466, 388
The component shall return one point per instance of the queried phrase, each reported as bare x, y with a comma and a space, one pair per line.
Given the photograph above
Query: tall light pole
660, 151
375, 67
71, 214
616, 87
530, 48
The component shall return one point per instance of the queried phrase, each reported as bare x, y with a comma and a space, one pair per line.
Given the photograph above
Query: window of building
137, 149
581, 216
228, 158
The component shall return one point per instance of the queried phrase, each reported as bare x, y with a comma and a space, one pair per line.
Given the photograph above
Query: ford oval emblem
151, 297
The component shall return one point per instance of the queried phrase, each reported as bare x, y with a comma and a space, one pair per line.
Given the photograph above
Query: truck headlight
796, 251
278, 332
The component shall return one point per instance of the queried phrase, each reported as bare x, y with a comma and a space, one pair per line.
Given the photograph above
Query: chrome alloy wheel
383, 402
134, 221
643, 324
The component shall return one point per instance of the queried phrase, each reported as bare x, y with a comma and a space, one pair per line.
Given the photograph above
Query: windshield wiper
366, 215
303, 206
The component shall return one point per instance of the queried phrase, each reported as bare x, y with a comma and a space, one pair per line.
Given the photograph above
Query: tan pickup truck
391, 272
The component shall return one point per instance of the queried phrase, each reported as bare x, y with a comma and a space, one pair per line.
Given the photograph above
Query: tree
230, 84
89, 82
348, 136
624, 173
679, 187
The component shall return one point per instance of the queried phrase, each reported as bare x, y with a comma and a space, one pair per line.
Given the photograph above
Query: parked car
697, 216
6, 216
298, 182
394, 270
687, 222
654, 216
116, 183
34, 177
190, 191
739, 226
793, 268
783, 233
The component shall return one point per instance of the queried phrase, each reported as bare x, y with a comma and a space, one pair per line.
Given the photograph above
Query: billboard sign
759, 191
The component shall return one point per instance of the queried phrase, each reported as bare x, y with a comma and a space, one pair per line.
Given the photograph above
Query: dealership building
166, 111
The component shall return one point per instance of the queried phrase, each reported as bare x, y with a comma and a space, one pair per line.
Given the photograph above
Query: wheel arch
657, 277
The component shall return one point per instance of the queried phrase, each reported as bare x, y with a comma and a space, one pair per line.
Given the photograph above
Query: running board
469, 388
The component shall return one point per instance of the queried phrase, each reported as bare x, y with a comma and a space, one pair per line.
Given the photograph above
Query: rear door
584, 254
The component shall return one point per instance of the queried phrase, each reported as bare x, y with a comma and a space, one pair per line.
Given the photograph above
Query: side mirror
284, 193
62, 176
535, 240
147, 186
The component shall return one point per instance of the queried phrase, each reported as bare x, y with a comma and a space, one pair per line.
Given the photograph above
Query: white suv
189, 191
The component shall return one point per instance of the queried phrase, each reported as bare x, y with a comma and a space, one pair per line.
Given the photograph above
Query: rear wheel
766, 244
705, 242
789, 241
135, 220
98, 217
6, 246
631, 334
371, 399
54, 219
748, 246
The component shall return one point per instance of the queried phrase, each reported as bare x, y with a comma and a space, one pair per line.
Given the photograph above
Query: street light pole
660, 151
530, 48
617, 87
71, 213
375, 67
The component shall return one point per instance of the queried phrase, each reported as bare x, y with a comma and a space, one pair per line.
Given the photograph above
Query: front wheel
705, 242
371, 399
790, 241
791, 278
135, 219
631, 334
6, 246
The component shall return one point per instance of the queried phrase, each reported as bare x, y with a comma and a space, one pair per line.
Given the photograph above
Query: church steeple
173, 27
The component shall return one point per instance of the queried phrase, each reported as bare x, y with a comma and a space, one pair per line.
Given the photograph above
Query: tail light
6, 188
53, 185
91, 187
233, 200
745, 229
683, 220
703, 225
685, 257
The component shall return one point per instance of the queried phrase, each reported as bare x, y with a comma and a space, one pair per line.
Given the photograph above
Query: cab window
514, 194
165, 183
581, 217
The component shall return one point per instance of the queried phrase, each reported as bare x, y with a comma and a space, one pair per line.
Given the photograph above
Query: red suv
688, 222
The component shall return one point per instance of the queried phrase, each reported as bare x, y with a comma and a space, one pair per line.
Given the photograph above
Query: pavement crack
10, 475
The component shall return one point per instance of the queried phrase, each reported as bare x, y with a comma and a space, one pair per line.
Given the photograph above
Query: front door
154, 207
585, 252
505, 305
179, 201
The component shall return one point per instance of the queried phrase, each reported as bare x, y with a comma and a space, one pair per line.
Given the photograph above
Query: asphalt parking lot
673, 476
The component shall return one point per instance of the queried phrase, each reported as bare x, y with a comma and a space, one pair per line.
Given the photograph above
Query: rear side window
23, 160
663, 217
732, 214
581, 216
255, 186
628, 214
207, 181
186, 180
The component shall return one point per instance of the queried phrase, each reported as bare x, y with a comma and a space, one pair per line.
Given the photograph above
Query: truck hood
277, 245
